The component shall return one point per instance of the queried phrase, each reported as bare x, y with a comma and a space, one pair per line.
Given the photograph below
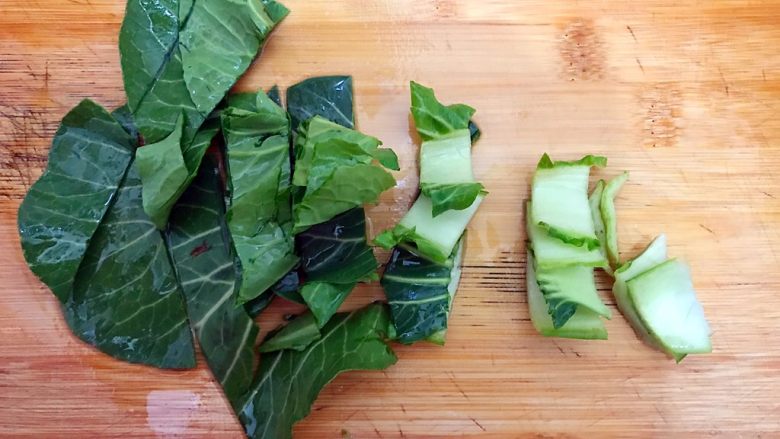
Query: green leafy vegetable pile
422, 277
564, 248
571, 233
186, 211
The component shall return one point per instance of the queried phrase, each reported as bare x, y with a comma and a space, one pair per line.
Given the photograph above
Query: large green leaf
337, 251
167, 168
126, 299
325, 96
335, 171
256, 132
203, 258
289, 381
423, 274
219, 40
346, 188
57, 219
152, 68
182, 56
334, 254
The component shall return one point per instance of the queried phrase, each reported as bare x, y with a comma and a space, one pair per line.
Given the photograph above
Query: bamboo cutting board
683, 94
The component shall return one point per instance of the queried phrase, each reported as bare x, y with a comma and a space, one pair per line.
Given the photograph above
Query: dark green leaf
324, 299
337, 251
289, 381
288, 287
258, 157
87, 162
326, 96
163, 175
202, 255
257, 305
420, 294
126, 299
296, 335
183, 56
124, 116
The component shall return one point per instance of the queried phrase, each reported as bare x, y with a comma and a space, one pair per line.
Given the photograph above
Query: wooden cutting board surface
683, 94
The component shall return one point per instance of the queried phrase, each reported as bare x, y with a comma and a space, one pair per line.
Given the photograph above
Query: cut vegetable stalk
583, 324
666, 304
450, 196
446, 176
654, 254
560, 200
609, 217
568, 288
452, 288
422, 234
595, 211
551, 253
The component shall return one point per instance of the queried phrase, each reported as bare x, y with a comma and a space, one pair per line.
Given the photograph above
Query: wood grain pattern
683, 94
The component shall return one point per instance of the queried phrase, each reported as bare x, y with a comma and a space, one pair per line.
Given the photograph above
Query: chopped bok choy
420, 293
566, 248
657, 297
609, 217
583, 323
449, 195
560, 195
666, 304
654, 254
424, 271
